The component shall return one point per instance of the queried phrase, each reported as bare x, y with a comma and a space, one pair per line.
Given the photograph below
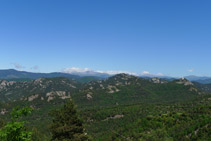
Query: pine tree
67, 125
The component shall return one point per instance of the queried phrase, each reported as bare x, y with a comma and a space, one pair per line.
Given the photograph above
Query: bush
15, 130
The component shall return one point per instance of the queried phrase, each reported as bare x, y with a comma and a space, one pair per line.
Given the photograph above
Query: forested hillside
122, 107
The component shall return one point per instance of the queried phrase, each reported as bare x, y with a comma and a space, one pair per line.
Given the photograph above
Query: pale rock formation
3, 111
89, 96
112, 89
33, 97
184, 82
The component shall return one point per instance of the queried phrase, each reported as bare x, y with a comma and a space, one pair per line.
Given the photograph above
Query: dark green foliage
1, 123
139, 110
67, 125
122, 89
38, 136
184, 121
16, 130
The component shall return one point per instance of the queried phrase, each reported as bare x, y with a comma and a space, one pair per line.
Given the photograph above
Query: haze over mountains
88, 75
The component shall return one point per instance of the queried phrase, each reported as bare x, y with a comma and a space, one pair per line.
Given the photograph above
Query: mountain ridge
86, 76
119, 86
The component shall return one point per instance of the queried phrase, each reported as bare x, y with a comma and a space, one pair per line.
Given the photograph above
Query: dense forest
122, 107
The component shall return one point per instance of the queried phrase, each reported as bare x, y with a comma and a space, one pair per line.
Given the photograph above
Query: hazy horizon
86, 71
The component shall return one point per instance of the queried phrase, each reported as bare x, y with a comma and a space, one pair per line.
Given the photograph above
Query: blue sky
172, 37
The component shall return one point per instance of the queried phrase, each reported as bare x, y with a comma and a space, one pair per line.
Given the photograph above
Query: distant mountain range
16, 75
85, 76
203, 80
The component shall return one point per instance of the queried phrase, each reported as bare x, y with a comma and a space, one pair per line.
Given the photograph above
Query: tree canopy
16, 130
66, 124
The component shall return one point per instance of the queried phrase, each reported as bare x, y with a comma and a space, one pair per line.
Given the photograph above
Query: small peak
122, 75
184, 81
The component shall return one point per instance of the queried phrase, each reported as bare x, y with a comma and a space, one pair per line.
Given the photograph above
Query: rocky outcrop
184, 82
3, 111
89, 96
112, 89
4, 84
61, 94
33, 97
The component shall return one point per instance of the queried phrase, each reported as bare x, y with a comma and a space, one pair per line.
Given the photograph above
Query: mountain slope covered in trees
122, 107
